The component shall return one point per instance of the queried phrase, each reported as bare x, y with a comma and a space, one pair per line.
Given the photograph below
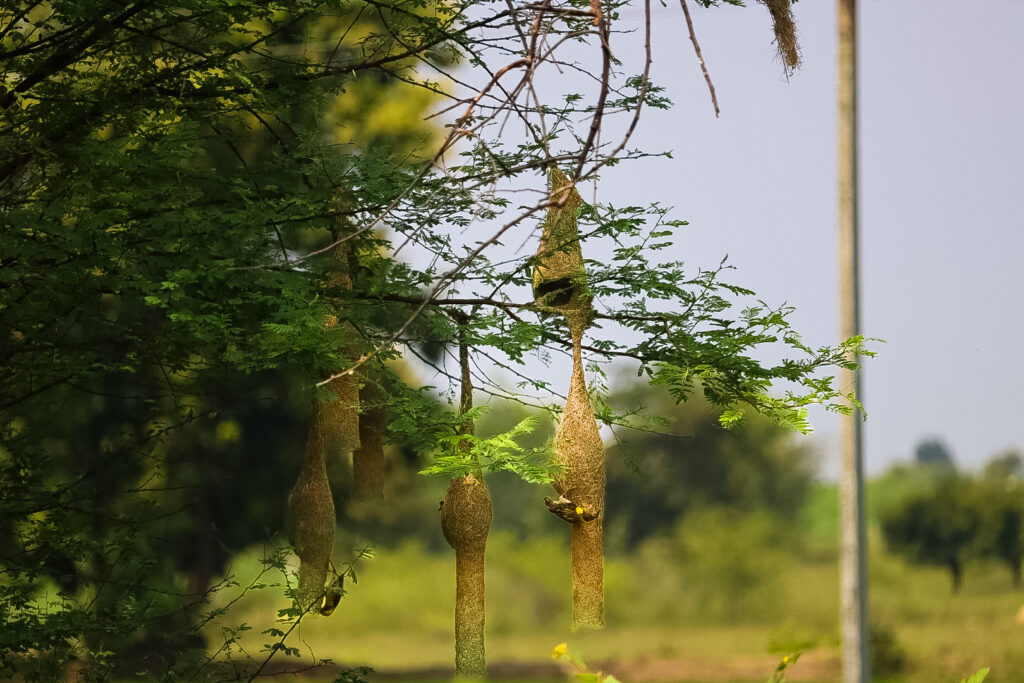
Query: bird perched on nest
570, 511
333, 596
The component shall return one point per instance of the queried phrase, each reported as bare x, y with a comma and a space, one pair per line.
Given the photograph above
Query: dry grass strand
784, 27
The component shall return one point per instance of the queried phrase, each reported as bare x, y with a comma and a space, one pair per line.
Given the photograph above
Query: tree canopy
207, 205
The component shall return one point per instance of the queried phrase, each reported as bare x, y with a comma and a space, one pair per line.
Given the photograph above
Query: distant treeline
939, 516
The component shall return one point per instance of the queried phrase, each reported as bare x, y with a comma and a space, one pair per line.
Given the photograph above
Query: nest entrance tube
560, 286
579, 447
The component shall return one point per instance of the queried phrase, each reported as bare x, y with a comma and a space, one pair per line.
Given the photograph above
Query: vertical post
853, 585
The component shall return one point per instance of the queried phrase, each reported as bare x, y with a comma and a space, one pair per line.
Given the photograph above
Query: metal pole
853, 585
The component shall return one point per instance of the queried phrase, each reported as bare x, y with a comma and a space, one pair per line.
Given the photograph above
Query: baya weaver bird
333, 595
570, 511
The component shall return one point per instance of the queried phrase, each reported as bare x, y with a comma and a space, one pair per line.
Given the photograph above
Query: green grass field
727, 615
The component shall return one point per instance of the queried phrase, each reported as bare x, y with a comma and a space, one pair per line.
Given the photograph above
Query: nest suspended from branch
580, 449
466, 521
368, 458
559, 278
310, 516
560, 285
341, 420
334, 429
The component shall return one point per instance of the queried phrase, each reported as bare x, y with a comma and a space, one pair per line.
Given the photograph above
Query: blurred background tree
932, 514
688, 462
935, 527
934, 453
1001, 499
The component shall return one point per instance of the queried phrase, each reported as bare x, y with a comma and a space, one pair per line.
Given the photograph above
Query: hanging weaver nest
341, 420
560, 285
335, 428
341, 415
466, 512
559, 279
466, 508
465, 521
785, 31
310, 516
368, 458
580, 449
579, 446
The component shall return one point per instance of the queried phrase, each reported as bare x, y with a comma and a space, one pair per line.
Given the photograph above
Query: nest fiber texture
341, 420
784, 27
368, 458
341, 416
580, 449
311, 516
466, 512
559, 278
465, 521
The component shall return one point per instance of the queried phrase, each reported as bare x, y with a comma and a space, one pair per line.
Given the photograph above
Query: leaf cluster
459, 454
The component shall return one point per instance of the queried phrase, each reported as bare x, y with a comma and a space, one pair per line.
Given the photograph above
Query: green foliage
174, 182
779, 675
732, 561
1001, 506
582, 673
888, 657
155, 171
977, 677
1006, 468
461, 454
934, 453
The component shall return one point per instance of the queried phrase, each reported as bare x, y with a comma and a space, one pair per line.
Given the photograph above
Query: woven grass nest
560, 286
311, 516
559, 278
334, 431
784, 28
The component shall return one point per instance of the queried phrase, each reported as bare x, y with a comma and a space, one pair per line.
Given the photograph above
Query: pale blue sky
942, 199
942, 196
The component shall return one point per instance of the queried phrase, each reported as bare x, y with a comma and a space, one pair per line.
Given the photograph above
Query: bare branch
700, 57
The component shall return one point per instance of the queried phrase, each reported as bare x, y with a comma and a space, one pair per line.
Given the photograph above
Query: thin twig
700, 57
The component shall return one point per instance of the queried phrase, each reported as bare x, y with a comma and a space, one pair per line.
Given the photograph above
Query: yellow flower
785, 660
559, 651
579, 510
